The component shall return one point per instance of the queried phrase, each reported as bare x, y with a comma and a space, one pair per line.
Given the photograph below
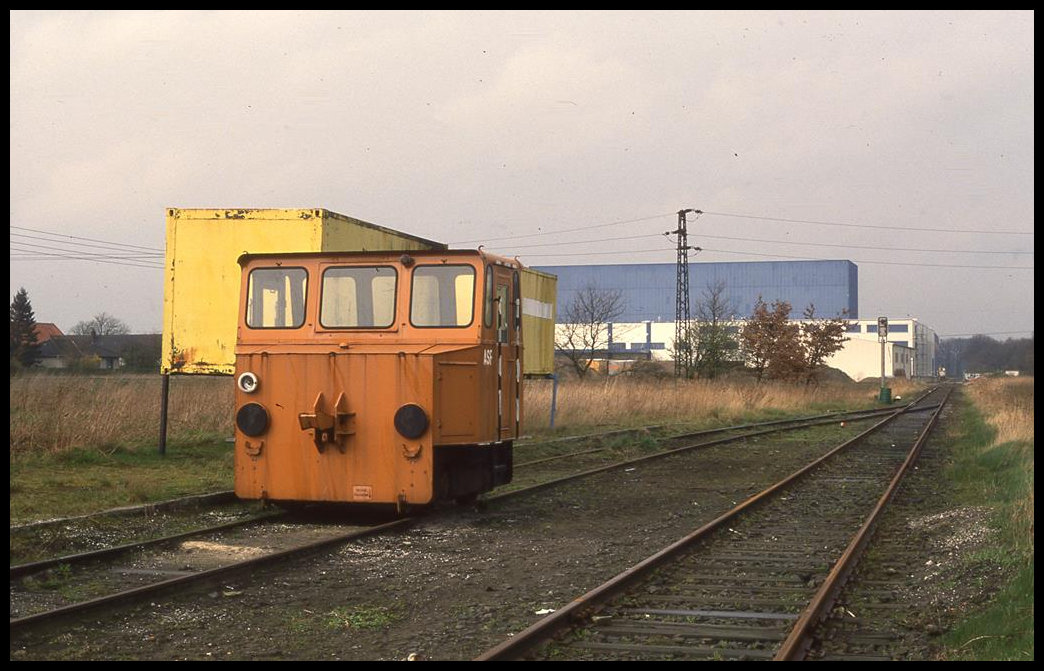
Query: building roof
105, 347
60, 347
45, 331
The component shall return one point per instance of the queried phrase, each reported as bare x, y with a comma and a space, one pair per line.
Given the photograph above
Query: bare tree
821, 338
585, 325
101, 324
710, 342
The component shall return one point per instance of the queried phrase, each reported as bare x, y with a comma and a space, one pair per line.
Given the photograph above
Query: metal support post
683, 318
554, 397
164, 396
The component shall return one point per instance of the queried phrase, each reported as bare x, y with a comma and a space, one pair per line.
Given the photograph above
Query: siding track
753, 583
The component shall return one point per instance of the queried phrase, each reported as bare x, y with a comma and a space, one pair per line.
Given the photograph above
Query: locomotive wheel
442, 485
466, 499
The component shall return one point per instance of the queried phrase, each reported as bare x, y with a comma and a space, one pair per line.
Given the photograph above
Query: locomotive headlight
411, 421
247, 383
252, 419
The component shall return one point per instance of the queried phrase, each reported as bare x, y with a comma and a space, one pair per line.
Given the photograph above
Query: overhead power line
898, 229
567, 230
879, 263
85, 253
77, 248
43, 256
887, 249
777, 242
76, 237
622, 251
107, 246
585, 242
66, 254
632, 252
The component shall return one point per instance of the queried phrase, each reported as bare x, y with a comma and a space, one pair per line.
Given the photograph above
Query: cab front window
276, 298
442, 295
357, 297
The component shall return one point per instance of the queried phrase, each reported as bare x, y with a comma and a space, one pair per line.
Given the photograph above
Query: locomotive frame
377, 377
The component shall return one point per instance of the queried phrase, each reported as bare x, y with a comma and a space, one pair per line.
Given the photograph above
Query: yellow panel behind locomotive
201, 283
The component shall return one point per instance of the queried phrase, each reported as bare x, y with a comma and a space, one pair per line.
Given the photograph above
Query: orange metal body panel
465, 378
376, 464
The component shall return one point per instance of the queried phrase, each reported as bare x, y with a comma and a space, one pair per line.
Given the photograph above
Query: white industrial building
647, 298
910, 349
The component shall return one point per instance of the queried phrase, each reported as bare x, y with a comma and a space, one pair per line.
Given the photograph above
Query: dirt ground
456, 583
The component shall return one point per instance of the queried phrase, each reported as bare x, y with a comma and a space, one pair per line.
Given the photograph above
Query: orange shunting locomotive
377, 377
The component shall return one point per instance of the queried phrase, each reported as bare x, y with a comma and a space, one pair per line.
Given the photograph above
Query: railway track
54, 538
873, 619
140, 574
753, 583
122, 530
665, 433
154, 567
546, 471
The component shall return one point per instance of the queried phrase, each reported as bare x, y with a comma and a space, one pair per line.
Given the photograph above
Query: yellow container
539, 291
201, 288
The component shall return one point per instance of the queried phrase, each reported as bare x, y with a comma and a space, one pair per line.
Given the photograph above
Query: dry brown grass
1007, 403
54, 412
624, 401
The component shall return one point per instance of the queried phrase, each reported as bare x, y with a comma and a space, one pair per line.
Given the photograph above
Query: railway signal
882, 336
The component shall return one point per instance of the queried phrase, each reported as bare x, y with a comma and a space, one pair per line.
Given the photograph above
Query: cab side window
488, 302
503, 305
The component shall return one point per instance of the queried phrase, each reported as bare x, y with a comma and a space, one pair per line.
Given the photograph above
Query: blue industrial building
649, 289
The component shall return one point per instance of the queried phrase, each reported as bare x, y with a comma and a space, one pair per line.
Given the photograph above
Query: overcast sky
902, 141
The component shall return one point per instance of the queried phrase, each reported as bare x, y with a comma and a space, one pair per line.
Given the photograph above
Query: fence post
554, 397
164, 395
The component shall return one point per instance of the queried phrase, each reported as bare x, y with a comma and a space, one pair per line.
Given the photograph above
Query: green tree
983, 354
24, 350
143, 356
714, 344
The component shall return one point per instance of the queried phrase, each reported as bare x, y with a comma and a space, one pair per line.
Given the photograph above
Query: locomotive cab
377, 377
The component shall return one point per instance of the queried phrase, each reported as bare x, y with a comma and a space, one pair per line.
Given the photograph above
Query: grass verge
84, 480
993, 466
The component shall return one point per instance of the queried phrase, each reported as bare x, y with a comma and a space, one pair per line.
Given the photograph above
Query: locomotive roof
385, 253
